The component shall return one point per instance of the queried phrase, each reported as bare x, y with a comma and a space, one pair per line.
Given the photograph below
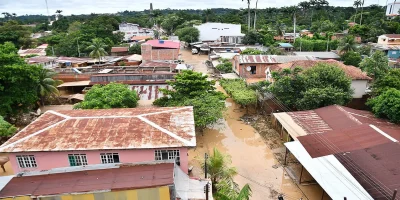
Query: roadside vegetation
240, 93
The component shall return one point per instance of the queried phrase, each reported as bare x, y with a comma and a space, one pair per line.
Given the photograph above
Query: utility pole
255, 15
207, 191
327, 43
362, 10
48, 15
77, 42
294, 27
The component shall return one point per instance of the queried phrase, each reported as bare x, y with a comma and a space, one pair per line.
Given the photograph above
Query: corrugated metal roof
41, 59
158, 64
122, 177
271, 59
321, 55
119, 49
149, 92
130, 128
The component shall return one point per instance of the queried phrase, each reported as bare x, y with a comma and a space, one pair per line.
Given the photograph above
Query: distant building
392, 8
322, 55
160, 50
221, 32
156, 180
255, 66
389, 44
86, 137
130, 30
45, 61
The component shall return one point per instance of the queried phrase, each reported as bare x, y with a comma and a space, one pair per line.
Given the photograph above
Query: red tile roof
131, 128
123, 177
351, 71
167, 44
119, 49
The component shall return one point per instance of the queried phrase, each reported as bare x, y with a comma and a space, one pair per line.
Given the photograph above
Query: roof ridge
165, 131
348, 114
58, 114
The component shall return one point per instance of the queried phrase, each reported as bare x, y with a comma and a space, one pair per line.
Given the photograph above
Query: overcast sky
22, 7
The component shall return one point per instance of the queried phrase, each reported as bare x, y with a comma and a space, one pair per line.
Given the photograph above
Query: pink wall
49, 160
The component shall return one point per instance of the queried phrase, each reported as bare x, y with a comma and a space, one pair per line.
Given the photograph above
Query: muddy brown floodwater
252, 157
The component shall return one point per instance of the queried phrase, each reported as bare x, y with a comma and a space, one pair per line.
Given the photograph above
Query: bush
387, 105
6, 129
225, 67
240, 93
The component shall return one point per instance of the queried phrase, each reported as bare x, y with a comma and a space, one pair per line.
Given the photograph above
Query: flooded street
253, 156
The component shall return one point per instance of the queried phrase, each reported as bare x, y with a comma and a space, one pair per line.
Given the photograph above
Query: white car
195, 51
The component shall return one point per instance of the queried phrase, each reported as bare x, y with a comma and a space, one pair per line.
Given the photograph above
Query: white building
220, 32
130, 30
392, 8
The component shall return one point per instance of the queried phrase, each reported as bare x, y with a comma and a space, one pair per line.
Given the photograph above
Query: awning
290, 125
330, 174
76, 83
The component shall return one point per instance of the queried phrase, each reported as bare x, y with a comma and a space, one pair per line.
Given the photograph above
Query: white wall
359, 87
214, 31
131, 30
392, 9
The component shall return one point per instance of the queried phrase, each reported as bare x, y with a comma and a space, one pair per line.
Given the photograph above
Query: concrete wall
49, 160
214, 31
159, 193
359, 87
150, 54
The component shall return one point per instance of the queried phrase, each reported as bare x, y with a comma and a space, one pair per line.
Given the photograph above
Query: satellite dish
248, 68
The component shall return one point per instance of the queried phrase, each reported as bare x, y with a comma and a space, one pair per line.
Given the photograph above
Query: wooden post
323, 194
301, 173
394, 194
286, 153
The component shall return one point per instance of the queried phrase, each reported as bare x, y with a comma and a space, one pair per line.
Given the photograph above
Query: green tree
351, 58
207, 13
97, 49
347, 44
170, 22
47, 85
6, 129
135, 49
11, 31
218, 168
227, 192
274, 51
253, 37
113, 95
252, 52
387, 105
188, 34
386, 82
239, 91
193, 89
319, 86
225, 67
376, 66
18, 82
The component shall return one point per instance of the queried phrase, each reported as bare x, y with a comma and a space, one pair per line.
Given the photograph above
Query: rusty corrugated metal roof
149, 92
130, 128
271, 59
123, 177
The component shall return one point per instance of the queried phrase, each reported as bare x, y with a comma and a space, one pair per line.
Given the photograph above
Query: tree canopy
18, 82
387, 105
113, 95
376, 66
351, 58
193, 89
319, 86
6, 129
188, 34
389, 80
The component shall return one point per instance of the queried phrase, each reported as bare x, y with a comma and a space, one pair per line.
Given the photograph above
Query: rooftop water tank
161, 41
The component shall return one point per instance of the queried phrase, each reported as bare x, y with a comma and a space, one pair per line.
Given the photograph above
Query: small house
87, 137
158, 50
119, 51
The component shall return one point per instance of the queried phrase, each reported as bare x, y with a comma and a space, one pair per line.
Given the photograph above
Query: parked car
195, 51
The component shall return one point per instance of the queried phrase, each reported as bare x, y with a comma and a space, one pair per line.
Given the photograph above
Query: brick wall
260, 70
150, 54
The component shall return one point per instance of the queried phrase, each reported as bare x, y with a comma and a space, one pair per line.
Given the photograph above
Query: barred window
26, 161
109, 158
167, 155
77, 159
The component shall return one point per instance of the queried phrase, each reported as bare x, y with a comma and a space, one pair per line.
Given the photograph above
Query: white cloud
22, 7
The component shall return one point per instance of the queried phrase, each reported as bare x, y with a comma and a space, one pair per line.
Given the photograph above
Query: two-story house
85, 137
389, 44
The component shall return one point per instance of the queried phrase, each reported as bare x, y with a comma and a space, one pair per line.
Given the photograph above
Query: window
26, 161
77, 159
253, 69
168, 155
109, 158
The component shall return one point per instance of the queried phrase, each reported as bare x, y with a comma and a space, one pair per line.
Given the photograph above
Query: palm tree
59, 12
228, 193
356, 4
14, 15
218, 169
347, 44
304, 5
97, 49
47, 85
248, 10
255, 15
207, 13
362, 10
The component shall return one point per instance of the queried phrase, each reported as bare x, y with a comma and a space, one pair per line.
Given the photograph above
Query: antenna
48, 15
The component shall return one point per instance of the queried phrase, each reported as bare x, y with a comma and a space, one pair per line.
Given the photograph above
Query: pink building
84, 137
